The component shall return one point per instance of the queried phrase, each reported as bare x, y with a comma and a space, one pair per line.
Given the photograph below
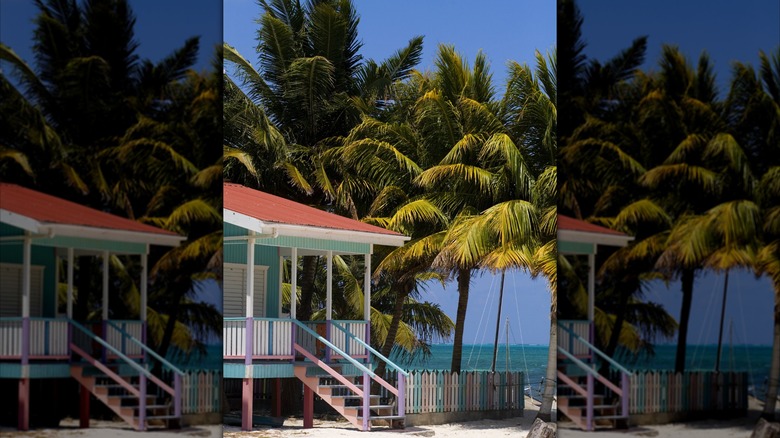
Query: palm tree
94, 123
754, 112
312, 86
702, 159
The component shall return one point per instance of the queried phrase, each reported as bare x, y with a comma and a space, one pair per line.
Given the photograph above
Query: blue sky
728, 32
503, 31
161, 27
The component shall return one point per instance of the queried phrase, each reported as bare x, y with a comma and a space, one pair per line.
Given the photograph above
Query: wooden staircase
125, 386
120, 392
346, 386
586, 396
574, 404
347, 400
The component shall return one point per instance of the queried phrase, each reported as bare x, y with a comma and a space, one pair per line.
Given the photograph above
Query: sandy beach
512, 427
293, 427
733, 428
740, 428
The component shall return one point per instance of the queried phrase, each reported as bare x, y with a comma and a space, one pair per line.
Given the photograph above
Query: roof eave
273, 229
20, 221
596, 238
114, 235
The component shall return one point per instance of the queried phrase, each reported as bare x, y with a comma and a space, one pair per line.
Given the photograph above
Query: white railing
568, 343
115, 338
234, 337
48, 337
272, 337
10, 337
350, 346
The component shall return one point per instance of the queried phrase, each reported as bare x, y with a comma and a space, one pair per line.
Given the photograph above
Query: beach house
587, 394
261, 341
42, 348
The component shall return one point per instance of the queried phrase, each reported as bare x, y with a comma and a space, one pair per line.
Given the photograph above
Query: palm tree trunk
545, 410
178, 291
387, 347
614, 336
464, 279
307, 287
685, 314
774, 373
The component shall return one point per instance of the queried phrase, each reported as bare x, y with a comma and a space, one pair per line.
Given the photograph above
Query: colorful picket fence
693, 391
443, 391
200, 391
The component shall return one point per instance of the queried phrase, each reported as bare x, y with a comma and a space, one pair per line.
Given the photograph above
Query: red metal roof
49, 209
270, 208
571, 224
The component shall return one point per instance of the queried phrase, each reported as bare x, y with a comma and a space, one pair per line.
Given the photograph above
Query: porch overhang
580, 237
272, 230
85, 237
51, 221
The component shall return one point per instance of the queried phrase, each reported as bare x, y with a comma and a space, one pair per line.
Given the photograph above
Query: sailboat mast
722, 315
498, 322
507, 345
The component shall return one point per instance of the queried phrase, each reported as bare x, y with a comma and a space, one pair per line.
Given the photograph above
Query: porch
48, 339
275, 338
593, 389
41, 237
266, 237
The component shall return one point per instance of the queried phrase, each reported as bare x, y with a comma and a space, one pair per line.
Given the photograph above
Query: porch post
144, 297
367, 289
329, 302
70, 283
591, 293
105, 302
248, 384
24, 380
293, 282
367, 300
70, 299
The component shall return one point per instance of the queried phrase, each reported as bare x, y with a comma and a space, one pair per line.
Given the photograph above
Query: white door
11, 290
234, 293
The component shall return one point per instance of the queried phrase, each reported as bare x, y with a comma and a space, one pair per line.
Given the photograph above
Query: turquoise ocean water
753, 359
530, 359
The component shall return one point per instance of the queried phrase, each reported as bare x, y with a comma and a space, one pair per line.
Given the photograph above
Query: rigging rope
747, 352
520, 328
699, 343
484, 332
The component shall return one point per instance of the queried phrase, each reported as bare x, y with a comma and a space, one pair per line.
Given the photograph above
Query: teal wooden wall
235, 252
11, 252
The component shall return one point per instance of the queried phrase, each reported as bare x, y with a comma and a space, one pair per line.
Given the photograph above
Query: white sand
293, 427
734, 428
697, 429
113, 429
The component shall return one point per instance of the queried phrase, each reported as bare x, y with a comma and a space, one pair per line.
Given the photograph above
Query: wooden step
373, 396
337, 386
161, 417
383, 417
372, 407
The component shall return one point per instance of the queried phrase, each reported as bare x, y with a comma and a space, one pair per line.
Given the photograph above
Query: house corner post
248, 381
